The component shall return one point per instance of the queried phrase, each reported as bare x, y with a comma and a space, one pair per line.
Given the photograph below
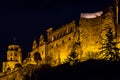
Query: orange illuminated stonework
90, 33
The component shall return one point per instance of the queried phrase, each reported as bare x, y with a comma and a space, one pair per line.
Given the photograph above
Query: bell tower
14, 56
41, 40
14, 53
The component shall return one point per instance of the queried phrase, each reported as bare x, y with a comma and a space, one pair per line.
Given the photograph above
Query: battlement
14, 47
64, 30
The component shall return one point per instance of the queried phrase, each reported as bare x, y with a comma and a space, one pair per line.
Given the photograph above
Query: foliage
109, 49
73, 58
93, 55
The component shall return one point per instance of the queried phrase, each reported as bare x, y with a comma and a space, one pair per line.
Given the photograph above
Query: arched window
37, 57
8, 69
10, 59
18, 65
69, 38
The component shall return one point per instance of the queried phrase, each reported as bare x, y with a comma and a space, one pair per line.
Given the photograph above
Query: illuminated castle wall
93, 30
60, 42
90, 33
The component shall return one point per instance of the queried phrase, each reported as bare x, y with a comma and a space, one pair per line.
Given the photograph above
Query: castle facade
90, 34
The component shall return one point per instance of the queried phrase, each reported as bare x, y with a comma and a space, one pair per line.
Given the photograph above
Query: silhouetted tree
93, 55
73, 57
37, 57
109, 49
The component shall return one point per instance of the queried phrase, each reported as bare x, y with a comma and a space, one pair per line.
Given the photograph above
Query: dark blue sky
27, 19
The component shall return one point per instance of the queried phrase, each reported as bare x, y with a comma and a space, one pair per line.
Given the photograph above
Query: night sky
27, 19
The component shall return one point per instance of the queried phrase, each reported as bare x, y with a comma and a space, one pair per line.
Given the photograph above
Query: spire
14, 40
34, 44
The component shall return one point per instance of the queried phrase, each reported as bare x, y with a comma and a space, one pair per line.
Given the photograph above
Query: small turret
41, 40
14, 53
34, 44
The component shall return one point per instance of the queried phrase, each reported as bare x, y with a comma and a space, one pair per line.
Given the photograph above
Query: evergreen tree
109, 49
73, 57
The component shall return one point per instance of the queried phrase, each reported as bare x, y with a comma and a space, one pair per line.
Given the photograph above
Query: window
15, 54
70, 29
63, 42
16, 49
56, 45
55, 37
51, 46
42, 52
11, 49
69, 38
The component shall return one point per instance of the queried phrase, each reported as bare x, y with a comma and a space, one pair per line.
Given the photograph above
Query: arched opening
37, 57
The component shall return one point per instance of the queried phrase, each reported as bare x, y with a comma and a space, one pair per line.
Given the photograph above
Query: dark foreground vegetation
89, 70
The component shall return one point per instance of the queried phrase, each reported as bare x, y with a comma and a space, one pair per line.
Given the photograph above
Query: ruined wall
42, 51
92, 32
61, 42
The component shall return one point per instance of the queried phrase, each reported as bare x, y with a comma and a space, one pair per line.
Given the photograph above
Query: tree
109, 49
93, 55
76, 50
37, 57
73, 57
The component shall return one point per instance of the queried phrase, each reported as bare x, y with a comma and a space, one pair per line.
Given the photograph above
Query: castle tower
14, 56
14, 53
34, 44
41, 40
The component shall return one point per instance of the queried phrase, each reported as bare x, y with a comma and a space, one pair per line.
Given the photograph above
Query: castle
90, 33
